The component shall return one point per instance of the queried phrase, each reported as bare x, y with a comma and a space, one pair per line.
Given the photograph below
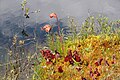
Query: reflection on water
12, 22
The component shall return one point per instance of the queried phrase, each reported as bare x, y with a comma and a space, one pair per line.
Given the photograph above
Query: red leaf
66, 58
77, 59
96, 63
47, 51
60, 69
76, 56
52, 56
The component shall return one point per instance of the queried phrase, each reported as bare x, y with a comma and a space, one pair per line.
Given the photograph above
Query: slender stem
61, 39
58, 27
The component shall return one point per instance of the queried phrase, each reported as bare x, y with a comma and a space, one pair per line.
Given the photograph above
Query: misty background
12, 19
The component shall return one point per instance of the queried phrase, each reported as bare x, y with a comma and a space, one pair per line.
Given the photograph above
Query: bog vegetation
89, 53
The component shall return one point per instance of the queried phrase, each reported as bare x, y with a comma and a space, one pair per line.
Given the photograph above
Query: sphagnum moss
94, 56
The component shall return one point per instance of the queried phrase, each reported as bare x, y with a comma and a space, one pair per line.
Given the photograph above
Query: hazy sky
63, 7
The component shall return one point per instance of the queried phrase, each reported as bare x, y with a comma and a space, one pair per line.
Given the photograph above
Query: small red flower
77, 59
47, 54
76, 56
69, 56
47, 28
66, 58
60, 69
53, 15
52, 56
